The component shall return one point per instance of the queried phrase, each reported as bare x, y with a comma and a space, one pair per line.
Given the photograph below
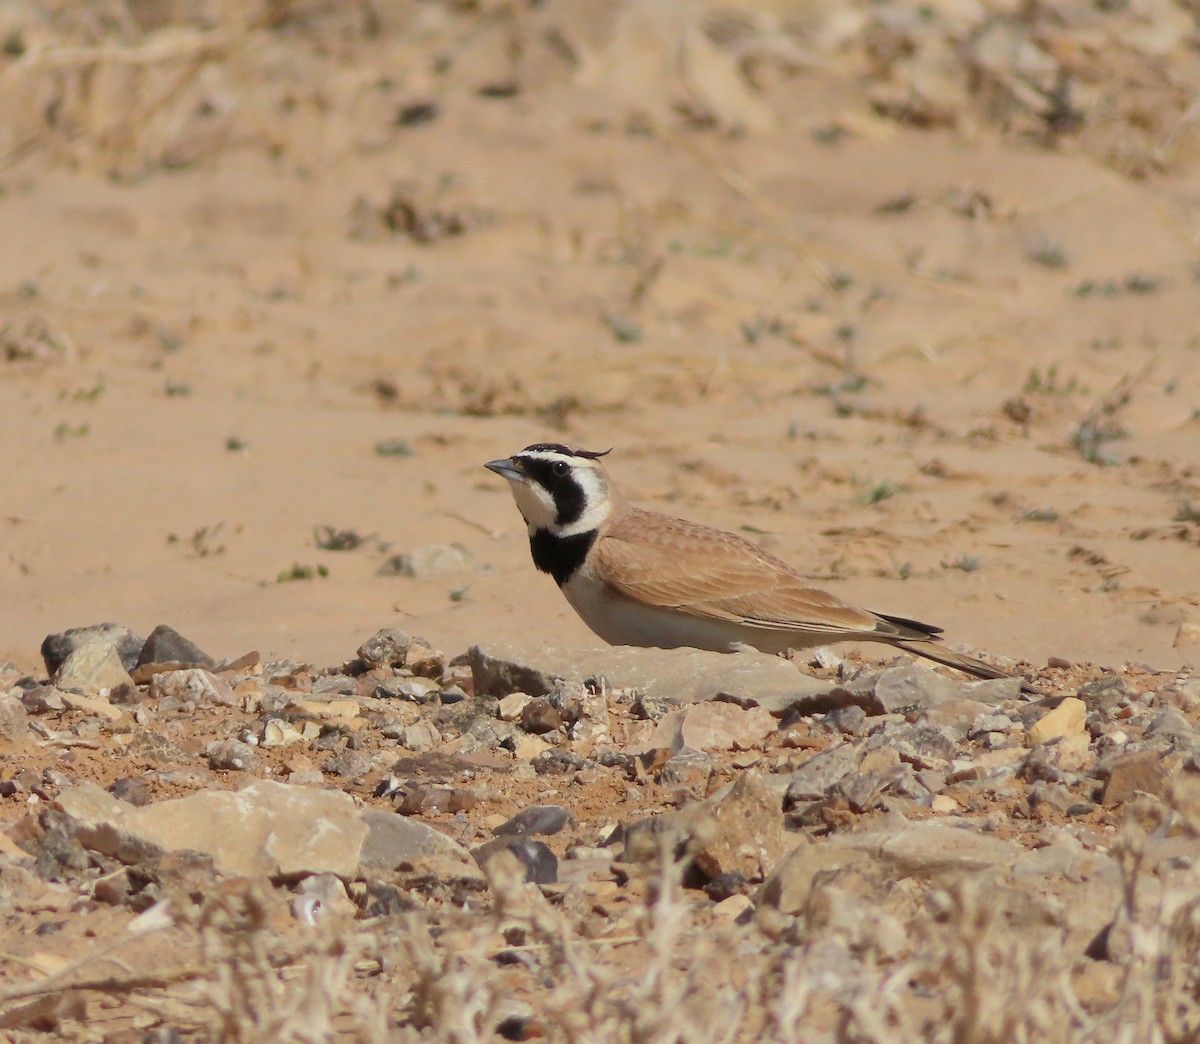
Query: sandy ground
773, 328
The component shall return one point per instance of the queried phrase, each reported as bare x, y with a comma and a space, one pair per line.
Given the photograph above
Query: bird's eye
561, 467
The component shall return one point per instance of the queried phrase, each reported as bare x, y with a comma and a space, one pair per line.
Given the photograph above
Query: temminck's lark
639, 577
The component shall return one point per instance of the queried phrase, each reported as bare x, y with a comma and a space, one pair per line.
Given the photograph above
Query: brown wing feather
711, 573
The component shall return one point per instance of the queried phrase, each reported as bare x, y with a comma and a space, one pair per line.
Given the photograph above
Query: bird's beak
505, 468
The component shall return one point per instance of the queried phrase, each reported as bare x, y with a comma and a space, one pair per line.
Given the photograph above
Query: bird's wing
710, 573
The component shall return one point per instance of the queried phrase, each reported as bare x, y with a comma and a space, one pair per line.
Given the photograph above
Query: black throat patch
560, 556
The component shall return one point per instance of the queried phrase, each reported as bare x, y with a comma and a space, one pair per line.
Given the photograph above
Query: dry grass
953, 968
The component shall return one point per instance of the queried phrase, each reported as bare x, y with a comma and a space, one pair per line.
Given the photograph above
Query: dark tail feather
949, 658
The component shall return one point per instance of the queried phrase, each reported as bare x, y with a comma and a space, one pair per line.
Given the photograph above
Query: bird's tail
959, 661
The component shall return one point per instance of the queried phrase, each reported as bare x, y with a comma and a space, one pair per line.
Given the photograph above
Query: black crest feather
567, 451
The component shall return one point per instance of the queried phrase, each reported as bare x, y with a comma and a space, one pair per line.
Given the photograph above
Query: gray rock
986, 723
57, 647
14, 721
266, 829
914, 685
790, 883
348, 763
166, 645
928, 849
1103, 694
44, 699
1170, 724
829, 698
863, 791
394, 841
538, 819
992, 691
689, 769
429, 560
739, 829
92, 668
685, 675
385, 648
192, 686
232, 754
851, 720
132, 791
817, 776
538, 863
921, 745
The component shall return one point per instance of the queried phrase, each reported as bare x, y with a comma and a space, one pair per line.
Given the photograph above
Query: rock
511, 706
1102, 694
423, 659
1170, 724
192, 685
422, 799
43, 699
991, 691
538, 819
14, 721
132, 791
1188, 635
910, 686
688, 769
683, 675
739, 829
790, 883
280, 733
92, 668
155, 748
414, 690
57, 647
539, 716
850, 720
349, 764
1066, 719
321, 897
429, 560
325, 709
385, 648
1133, 774
167, 645
929, 849
592, 726
394, 841
958, 715
816, 777
921, 745
94, 705
420, 736
904, 688
537, 862
527, 747
232, 754
266, 829
709, 726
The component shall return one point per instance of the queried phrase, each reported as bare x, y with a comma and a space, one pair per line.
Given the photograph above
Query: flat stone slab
266, 829
682, 675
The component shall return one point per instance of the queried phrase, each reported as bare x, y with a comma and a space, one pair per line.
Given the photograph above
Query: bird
644, 578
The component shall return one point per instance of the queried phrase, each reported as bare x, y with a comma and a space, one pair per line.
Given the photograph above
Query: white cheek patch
534, 503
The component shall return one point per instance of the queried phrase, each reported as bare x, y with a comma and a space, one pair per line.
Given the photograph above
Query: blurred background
908, 291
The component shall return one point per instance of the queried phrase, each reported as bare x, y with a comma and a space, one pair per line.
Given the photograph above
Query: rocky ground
907, 292
624, 844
